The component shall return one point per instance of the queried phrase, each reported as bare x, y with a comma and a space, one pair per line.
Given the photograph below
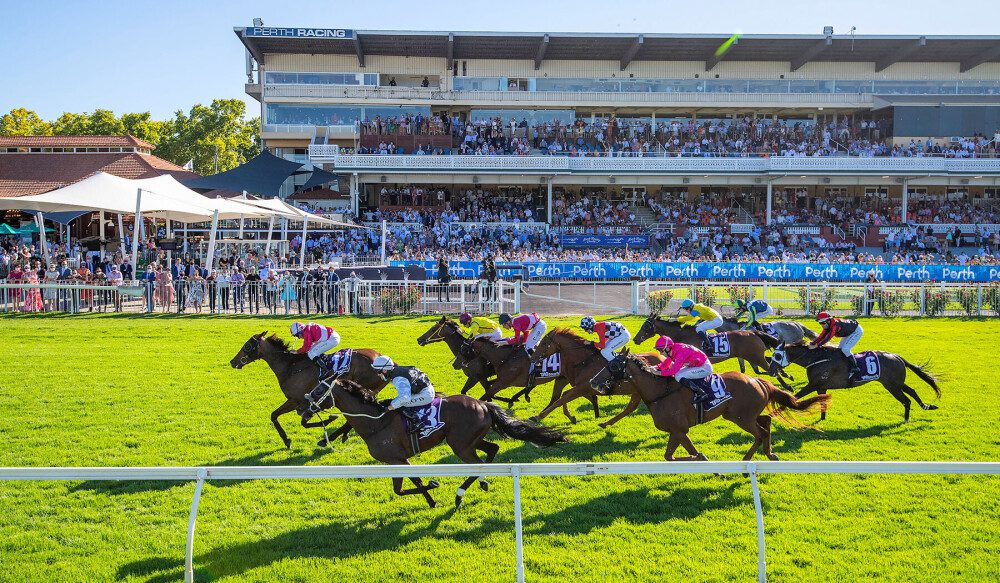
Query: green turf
158, 390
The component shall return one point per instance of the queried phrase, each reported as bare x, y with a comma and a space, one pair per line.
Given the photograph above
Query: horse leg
285, 407
901, 397
672, 442
743, 365
469, 383
566, 397
323, 423
764, 422
751, 426
342, 432
633, 404
490, 449
695, 455
913, 393
468, 456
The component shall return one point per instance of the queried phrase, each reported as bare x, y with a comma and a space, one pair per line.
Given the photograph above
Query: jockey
848, 330
610, 335
528, 330
479, 327
317, 339
702, 317
413, 388
685, 363
755, 310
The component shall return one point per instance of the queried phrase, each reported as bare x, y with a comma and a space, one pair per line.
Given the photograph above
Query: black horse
826, 369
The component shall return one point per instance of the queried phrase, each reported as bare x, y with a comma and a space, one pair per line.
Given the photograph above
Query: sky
162, 56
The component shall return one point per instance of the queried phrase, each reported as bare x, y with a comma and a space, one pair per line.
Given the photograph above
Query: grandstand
827, 141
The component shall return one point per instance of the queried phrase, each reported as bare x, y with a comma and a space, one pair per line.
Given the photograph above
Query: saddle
420, 422
334, 364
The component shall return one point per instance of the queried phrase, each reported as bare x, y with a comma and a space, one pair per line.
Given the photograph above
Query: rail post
192, 519
759, 511
517, 296
518, 529
635, 297
979, 299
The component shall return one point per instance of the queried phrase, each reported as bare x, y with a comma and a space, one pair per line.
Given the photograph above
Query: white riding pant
761, 315
324, 346
709, 325
608, 352
406, 399
496, 335
536, 335
848, 342
695, 372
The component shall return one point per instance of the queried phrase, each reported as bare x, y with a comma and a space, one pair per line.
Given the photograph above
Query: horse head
249, 352
647, 330
435, 334
779, 358
615, 369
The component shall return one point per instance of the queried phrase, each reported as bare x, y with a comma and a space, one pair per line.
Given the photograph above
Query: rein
329, 393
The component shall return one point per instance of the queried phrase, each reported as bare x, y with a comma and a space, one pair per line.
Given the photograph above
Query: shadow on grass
792, 440
364, 537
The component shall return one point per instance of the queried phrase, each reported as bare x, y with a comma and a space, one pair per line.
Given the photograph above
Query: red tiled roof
24, 174
318, 194
125, 141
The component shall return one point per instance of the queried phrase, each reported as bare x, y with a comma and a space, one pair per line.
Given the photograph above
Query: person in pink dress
164, 288
33, 297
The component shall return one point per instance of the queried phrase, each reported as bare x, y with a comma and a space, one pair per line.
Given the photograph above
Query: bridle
244, 359
328, 383
438, 334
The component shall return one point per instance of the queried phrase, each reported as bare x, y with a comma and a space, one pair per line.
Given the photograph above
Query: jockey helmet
504, 319
383, 363
296, 328
687, 304
823, 317
664, 343
465, 318
588, 323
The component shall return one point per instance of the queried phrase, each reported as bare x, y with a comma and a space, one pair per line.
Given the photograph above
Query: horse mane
278, 342
357, 390
568, 332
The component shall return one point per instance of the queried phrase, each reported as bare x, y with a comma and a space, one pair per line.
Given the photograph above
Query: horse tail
768, 340
927, 377
508, 426
778, 401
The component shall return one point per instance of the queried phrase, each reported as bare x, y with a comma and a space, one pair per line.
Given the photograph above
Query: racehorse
745, 345
475, 367
670, 406
826, 370
466, 423
297, 375
512, 364
581, 361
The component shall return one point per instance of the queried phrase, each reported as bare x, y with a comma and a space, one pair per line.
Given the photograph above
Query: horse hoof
432, 503
433, 484
458, 501
930, 407
484, 485
322, 443
572, 420
602, 425
527, 398
773, 458
288, 444
534, 419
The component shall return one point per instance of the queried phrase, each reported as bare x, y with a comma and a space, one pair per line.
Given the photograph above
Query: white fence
515, 471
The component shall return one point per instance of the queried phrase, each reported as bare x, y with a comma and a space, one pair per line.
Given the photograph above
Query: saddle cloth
429, 415
338, 362
551, 367
869, 365
719, 344
717, 387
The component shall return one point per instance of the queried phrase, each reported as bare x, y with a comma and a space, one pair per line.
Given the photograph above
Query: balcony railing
565, 164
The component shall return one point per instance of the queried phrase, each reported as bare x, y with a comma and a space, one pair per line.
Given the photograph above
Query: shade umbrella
32, 228
6, 229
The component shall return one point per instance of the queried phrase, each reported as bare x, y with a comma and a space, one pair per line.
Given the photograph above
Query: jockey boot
700, 392
532, 372
853, 370
416, 424
323, 364
706, 345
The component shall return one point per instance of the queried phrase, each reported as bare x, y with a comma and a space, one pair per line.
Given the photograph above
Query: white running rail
515, 471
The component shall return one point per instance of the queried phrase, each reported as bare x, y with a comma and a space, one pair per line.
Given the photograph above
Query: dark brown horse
826, 369
475, 367
581, 361
670, 405
466, 423
297, 375
512, 364
745, 345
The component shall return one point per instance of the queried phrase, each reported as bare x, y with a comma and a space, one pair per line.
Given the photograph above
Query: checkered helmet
588, 323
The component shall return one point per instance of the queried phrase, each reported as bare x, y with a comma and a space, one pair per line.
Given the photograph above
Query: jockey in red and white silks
316, 338
528, 329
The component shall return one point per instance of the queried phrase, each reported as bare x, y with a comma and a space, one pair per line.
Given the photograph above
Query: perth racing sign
271, 31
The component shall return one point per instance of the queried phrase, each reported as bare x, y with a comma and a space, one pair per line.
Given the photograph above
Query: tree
23, 122
72, 124
207, 132
104, 123
143, 127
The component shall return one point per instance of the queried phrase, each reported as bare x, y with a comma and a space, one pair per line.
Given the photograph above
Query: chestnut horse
581, 361
466, 423
670, 406
298, 374
512, 364
745, 345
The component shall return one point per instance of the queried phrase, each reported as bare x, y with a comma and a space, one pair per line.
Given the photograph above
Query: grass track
158, 390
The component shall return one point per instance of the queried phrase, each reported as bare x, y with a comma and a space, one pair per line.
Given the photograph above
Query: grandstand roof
125, 141
26, 174
970, 51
